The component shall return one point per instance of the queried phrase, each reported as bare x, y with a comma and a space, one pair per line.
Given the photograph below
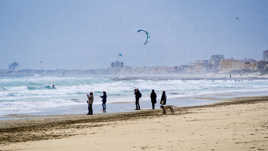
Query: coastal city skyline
85, 35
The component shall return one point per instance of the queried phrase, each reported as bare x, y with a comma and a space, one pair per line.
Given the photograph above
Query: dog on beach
165, 107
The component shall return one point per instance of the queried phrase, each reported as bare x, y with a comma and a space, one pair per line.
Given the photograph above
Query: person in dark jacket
163, 98
137, 98
104, 100
153, 99
90, 100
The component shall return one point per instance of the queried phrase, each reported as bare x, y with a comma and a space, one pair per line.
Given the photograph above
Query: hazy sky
89, 34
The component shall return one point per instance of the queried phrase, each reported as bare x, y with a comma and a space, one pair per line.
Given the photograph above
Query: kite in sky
147, 35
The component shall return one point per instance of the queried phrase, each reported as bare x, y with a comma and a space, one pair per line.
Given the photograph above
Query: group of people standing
90, 99
153, 97
137, 94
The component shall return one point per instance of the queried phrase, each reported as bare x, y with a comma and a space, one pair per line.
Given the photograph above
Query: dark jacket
137, 94
153, 97
90, 99
163, 99
104, 98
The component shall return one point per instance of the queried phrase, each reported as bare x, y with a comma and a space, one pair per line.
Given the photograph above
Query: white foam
16, 98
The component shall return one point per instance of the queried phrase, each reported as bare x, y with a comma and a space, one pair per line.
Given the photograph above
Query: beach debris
147, 35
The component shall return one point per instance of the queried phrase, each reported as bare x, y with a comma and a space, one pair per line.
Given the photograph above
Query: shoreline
112, 107
95, 117
14, 131
123, 107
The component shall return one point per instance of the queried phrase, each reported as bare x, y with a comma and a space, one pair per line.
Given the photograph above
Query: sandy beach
239, 124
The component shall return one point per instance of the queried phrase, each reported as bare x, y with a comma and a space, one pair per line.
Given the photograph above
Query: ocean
33, 95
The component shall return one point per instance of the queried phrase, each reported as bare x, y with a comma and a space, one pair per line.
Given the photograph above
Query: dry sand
236, 125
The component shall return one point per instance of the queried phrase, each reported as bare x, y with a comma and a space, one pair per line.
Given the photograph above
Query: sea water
35, 95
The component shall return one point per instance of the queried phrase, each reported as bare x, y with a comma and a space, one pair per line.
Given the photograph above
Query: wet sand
236, 124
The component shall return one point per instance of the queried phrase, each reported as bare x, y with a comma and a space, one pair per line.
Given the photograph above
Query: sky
89, 34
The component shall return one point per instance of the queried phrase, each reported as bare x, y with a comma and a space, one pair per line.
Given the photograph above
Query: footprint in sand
144, 147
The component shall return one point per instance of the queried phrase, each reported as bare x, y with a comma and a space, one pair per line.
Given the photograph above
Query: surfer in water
51, 86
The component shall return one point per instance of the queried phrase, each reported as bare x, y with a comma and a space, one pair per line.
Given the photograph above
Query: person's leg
91, 109
163, 108
153, 105
104, 107
136, 103
139, 105
88, 110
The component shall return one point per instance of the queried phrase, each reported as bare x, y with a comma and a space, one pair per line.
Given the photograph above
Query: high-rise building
265, 55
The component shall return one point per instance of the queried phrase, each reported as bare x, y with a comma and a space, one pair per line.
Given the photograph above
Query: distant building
214, 62
185, 68
200, 66
265, 55
262, 66
229, 65
117, 64
249, 60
